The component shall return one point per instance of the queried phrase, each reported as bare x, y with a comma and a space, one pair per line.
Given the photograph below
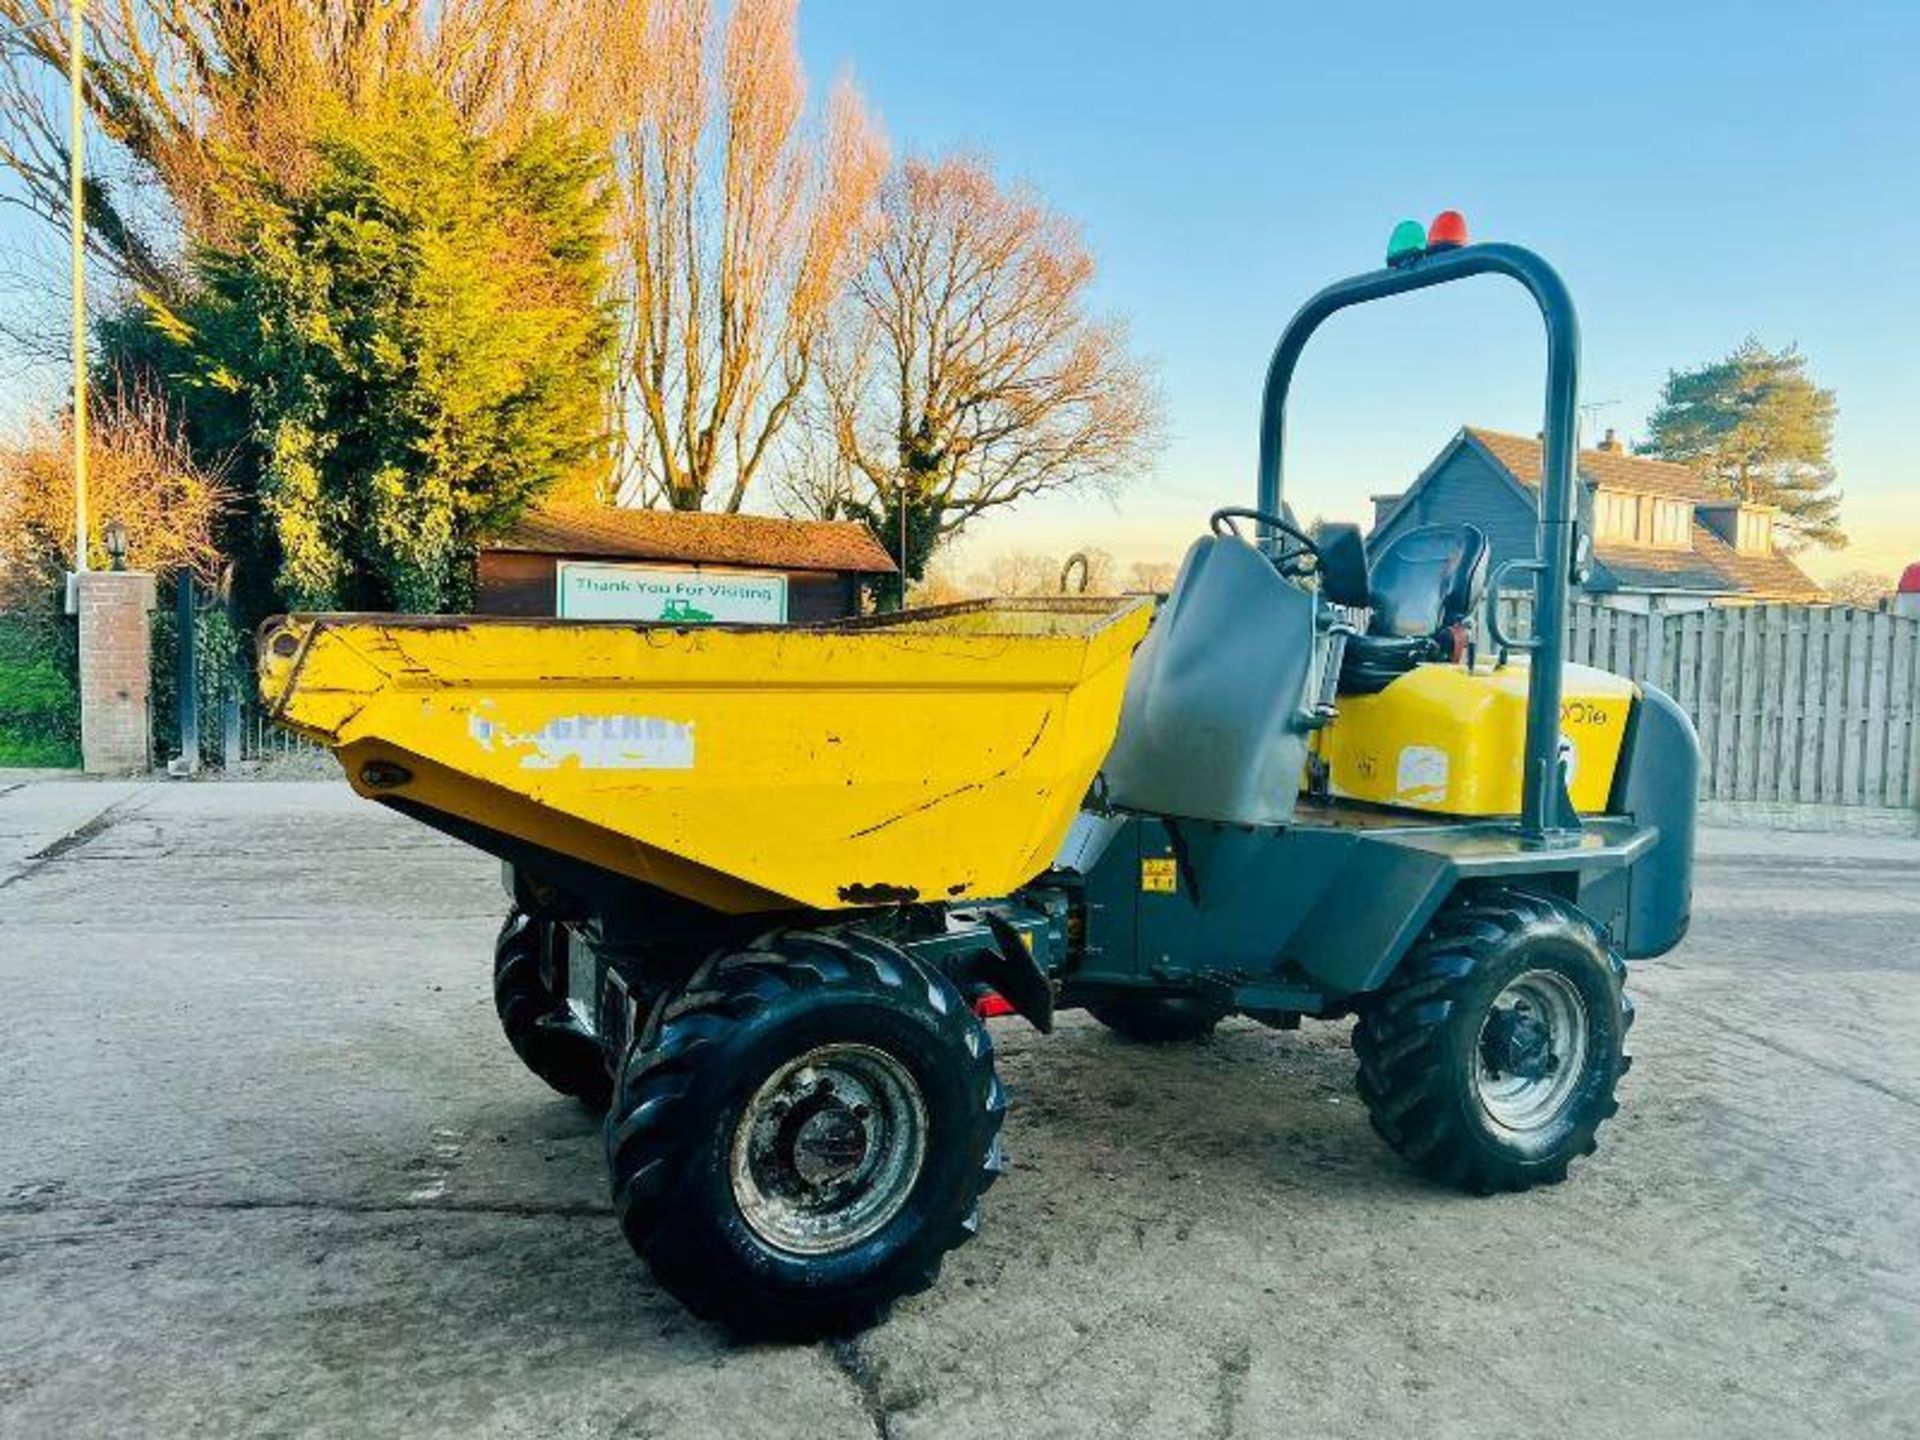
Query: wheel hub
828, 1149
1532, 1051
1517, 1042
829, 1143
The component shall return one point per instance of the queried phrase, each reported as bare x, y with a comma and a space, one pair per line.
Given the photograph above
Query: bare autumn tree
972, 373
140, 471
1152, 577
1018, 572
189, 93
943, 585
740, 228
1863, 589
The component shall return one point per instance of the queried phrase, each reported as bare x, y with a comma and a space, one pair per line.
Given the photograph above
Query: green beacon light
1408, 243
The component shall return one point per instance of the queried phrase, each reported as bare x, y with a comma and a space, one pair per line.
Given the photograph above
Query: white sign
1422, 776
589, 591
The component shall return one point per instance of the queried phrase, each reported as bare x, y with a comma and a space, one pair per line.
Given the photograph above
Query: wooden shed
606, 563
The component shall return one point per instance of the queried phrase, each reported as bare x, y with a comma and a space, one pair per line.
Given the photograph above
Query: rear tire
1490, 1060
1159, 1019
803, 1133
529, 992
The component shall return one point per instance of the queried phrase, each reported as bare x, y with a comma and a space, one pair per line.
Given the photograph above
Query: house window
1623, 518
1673, 524
1616, 517
1756, 532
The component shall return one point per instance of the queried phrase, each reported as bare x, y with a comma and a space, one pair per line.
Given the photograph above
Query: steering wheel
1287, 559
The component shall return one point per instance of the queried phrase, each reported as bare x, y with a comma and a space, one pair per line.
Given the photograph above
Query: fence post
1853, 735
1905, 745
1656, 644
1913, 718
1793, 705
230, 746
186, 676
1813, 662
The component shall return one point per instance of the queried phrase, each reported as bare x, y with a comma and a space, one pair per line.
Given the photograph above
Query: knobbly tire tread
1156, 1019
1401, 1038
672, 1094
536, 1021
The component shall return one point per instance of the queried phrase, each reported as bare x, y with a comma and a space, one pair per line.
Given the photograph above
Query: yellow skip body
936, 756
1451, 741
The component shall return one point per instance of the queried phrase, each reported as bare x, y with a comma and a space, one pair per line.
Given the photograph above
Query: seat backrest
1210, 728
1427, 579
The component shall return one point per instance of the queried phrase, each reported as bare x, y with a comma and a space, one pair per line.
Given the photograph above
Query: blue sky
1698, 171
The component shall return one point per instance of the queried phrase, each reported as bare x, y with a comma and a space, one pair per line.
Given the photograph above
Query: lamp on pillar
113, 535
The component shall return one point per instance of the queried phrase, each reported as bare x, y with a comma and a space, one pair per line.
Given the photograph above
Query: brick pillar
115, 643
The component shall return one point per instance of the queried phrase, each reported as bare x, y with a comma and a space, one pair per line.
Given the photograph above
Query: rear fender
1658, 785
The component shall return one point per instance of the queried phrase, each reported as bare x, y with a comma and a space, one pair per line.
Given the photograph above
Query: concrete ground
266, 1167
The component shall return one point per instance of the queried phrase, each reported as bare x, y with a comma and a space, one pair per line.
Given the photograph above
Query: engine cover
1452, 741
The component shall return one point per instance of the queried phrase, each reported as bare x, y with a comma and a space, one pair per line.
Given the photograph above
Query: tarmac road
267, 1167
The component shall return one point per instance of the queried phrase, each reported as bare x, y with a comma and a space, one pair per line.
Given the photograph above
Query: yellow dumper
938, 755
767, 883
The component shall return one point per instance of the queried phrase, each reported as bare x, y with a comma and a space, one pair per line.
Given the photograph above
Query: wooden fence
1796, 704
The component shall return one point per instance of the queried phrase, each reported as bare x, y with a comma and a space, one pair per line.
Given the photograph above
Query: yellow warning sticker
1157, 877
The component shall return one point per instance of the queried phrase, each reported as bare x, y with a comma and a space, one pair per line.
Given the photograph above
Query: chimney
1611, 443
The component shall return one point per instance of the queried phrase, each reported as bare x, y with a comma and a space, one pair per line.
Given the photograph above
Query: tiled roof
1609, 469
699, 538
1641, 567
1712, 566
1771, 577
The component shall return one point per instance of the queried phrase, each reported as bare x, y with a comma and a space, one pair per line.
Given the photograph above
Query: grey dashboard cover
1210, 728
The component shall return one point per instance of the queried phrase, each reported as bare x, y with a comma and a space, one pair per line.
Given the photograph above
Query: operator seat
1428, 585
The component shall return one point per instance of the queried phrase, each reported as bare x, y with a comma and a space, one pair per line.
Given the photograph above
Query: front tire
803, 1133
1490, 1061
529, 995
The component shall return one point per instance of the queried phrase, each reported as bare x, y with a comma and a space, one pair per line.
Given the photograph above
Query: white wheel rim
1531, 1052
828, 1149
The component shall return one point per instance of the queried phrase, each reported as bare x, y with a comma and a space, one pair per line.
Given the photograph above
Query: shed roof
699, 538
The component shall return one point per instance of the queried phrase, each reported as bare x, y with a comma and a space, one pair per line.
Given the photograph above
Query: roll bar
1546, 813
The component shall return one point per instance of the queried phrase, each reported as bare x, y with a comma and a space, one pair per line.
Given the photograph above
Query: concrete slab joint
116, 634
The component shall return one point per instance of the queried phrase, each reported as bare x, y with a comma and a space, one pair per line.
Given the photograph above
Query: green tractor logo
686, 612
